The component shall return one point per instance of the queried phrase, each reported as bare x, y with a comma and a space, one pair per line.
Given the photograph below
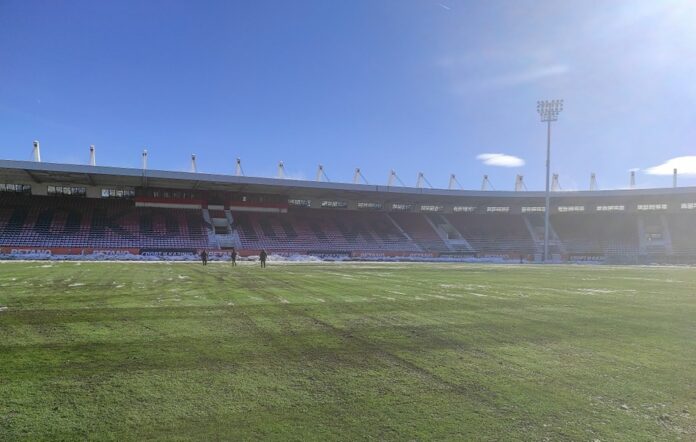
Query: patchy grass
134, 351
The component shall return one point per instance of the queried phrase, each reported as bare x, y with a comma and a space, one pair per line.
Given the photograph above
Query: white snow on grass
634, 278
344, 275
596, 291
447, 298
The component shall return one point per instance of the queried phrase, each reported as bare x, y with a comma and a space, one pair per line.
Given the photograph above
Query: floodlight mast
548, 111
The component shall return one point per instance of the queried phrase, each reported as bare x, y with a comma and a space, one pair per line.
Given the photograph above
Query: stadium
476, 343
146, 298
64, 210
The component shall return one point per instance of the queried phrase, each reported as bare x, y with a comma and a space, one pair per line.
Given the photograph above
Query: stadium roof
54, 173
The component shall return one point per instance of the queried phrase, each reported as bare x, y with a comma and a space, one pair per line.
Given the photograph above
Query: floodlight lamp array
549, 109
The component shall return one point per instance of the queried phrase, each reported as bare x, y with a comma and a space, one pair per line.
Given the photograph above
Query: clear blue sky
414, 85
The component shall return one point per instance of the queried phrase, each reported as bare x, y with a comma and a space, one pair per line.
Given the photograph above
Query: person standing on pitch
262, 256
204, 257
233, 256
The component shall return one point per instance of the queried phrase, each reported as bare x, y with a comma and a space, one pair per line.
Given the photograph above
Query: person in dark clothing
233, 256
262, 256
204, 257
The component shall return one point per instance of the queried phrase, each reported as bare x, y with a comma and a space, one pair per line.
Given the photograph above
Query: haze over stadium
317, 220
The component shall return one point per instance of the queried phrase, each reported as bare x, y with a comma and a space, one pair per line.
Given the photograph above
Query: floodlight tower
548, 111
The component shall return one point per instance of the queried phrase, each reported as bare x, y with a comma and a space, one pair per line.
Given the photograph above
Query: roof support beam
33, 177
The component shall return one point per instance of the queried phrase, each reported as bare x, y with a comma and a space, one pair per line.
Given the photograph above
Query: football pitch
142, 351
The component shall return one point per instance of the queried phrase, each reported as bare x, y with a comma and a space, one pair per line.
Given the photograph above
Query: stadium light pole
548, 111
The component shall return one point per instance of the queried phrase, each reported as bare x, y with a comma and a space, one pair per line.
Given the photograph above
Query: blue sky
413, 85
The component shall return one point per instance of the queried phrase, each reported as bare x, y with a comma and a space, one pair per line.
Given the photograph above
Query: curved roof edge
200, 179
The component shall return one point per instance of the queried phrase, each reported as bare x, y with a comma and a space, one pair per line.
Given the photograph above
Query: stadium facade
62, 209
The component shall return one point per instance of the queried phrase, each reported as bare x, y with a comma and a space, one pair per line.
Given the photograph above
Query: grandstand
63, 209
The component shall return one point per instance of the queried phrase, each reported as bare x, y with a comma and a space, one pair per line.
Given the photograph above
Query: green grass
144, 351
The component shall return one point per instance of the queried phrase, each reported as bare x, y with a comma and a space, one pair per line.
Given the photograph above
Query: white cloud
685, 166
500, 160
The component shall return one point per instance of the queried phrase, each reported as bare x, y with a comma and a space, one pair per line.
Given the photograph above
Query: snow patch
596, 291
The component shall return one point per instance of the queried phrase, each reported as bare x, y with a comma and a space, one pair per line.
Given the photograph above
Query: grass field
141, 351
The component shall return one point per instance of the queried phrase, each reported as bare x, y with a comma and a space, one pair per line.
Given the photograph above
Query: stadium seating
494, 233
598, 233
682, 234
420, 230
65, 222
93, 223
303, 230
